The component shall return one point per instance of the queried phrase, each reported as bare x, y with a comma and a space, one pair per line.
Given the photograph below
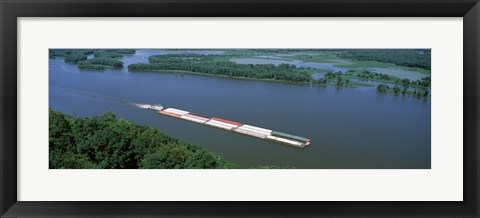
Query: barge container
222, 123
219, 125
250, 133
245, 129
169, 113
254, 128
227, 121
286, 135
197, 117
173, 110
192, 119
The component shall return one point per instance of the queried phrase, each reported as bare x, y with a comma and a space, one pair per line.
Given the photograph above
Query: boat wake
143, 106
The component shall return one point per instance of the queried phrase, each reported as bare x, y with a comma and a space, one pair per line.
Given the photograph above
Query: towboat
156, 107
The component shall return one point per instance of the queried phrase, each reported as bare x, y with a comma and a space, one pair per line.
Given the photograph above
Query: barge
237, 127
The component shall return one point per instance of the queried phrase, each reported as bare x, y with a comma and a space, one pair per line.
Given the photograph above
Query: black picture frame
10, 10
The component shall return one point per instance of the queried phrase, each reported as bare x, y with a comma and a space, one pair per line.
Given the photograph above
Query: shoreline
240, 78
270, 80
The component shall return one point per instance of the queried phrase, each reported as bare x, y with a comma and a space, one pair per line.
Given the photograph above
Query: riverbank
352, 84
218, 75
247, 78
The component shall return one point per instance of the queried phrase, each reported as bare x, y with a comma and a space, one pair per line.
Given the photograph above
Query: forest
70, 55
212, 65
112, 53
401, 86
100, 63
105, 142
403, 90
365, 75
102, 58
338, 79
403, 57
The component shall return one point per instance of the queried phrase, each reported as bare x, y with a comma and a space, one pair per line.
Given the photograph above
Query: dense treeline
100, 64
113, 53
397, 89
75, 58
103, 58
402, 57
401, 86
338, 79
70, 55
63, 53
366, 75
207, 64
106, 142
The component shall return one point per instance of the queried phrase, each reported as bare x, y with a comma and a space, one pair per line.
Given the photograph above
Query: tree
69, 160
166, 157
322, 81
107, 142
74, 58
397, 89
208, 64
402, 57
202, 160
59, 131
405, 82
382, 88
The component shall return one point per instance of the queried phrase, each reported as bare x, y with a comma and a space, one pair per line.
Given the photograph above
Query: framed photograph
228, 108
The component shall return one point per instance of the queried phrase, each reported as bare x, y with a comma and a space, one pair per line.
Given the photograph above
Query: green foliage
382, 88
73, 54
424, 82
167, 157
209, 64
74, 58
321, 81
60, 130
397, 89
202, 159
112, 53
100, 64
103, 58
273, 167
70, 55
69, 160
366, 75
338, 79
85, 66
403, 57
107, 142
405, 82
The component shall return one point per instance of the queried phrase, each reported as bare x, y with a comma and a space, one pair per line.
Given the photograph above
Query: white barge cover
192, 119
176, 111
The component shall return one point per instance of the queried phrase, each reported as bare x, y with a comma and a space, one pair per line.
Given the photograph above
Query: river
349, 128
